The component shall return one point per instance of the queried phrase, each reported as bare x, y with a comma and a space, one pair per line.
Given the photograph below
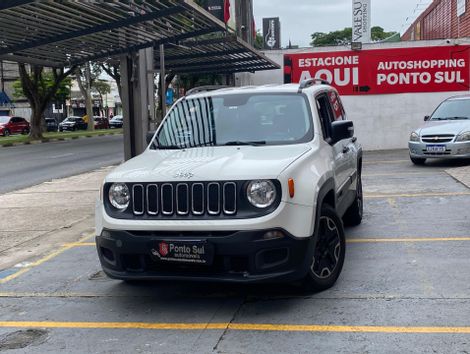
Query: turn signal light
291, 187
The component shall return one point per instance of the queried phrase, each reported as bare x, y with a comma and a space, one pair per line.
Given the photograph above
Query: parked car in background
116, 122
72, 123
51, 125
445, 134
101, 122
13, 125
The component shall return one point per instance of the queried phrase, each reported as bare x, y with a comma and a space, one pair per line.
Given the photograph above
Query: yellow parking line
80, 244
416, 195
42, 260
384, 161
434, 173
404, 239
234, 326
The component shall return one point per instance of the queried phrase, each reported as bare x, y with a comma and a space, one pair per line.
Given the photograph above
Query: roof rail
311, 82
205, 89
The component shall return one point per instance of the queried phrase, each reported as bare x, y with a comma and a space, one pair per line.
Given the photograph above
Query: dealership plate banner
384, 71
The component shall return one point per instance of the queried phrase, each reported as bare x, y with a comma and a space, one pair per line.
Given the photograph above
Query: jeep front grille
184, 199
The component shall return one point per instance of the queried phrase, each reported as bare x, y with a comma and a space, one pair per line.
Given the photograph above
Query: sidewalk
461, 174
35, 220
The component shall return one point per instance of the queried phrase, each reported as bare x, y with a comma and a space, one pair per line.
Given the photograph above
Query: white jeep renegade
245, 184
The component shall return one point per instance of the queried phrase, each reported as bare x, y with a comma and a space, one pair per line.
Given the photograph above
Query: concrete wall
381, 121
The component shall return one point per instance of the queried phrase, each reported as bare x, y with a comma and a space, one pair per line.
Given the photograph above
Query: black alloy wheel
329, 252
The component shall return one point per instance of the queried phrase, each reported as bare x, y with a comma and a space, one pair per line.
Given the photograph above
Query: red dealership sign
385, 71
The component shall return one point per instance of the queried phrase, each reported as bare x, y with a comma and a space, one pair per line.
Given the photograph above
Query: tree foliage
40, 87
46, 83
343, 37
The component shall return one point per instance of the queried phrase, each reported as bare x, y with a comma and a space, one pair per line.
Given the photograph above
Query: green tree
259, 42
102, 88
40, 87
343, 37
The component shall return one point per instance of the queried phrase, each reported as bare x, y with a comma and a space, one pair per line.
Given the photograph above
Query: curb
48, 140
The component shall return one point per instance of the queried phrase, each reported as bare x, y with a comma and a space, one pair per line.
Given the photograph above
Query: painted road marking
416, 195
72, 245
399, 174
352, 240
42, 260
377, 162
234, 326
404, 239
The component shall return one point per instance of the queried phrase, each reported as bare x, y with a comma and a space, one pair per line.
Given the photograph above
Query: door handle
345, 149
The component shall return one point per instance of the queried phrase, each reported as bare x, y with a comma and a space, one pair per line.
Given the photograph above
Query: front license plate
435, 148
198, 252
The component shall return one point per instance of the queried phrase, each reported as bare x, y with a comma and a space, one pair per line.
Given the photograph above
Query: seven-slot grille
184, 199
439, 138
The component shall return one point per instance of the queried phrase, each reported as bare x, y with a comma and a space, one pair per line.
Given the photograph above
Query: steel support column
136, 89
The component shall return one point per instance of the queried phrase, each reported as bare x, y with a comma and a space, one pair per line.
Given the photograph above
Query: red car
101, 122
13, 125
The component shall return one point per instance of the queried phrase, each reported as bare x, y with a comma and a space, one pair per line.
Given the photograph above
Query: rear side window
337, 106
325, 113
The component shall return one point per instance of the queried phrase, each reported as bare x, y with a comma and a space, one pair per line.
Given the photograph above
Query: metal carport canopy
62, 34
219, 55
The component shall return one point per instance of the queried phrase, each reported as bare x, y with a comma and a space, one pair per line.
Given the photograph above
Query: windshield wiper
252, 143
156, 145
450, 118
456, 118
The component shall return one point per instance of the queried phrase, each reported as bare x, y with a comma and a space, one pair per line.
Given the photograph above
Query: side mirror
340, 130
426, 118
150, 136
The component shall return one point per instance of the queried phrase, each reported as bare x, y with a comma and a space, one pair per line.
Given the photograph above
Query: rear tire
329, 252
353, 215
417, 160
25, 131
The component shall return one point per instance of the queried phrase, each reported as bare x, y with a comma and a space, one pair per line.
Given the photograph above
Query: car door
340, 164
349, 146
15, 125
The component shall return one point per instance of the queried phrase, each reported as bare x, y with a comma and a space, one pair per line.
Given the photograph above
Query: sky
300, 18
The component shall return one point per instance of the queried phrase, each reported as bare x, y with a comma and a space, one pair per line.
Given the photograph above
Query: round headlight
261, 194
119, 196
414, 137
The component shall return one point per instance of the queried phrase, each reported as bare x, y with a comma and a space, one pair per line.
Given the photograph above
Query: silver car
445, 134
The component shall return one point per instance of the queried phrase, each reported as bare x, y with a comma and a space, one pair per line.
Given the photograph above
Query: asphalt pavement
27, 165
404, 288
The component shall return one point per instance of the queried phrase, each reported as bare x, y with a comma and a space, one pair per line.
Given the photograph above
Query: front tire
6, 132
353, 215
418, 160
329, 252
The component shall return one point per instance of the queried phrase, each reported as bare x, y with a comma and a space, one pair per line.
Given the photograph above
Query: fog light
272, 235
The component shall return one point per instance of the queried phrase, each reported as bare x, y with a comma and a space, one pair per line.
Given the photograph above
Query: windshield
452, 110
4, 119
271, 119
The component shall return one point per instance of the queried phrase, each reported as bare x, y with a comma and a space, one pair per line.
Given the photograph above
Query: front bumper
239, 256
453, 150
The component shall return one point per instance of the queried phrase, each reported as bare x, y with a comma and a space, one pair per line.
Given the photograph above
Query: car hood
444, 127
209, 163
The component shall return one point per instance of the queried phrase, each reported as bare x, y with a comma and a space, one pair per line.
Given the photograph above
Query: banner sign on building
272, 33
461, 7
385, 71
361, 21
216, 8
